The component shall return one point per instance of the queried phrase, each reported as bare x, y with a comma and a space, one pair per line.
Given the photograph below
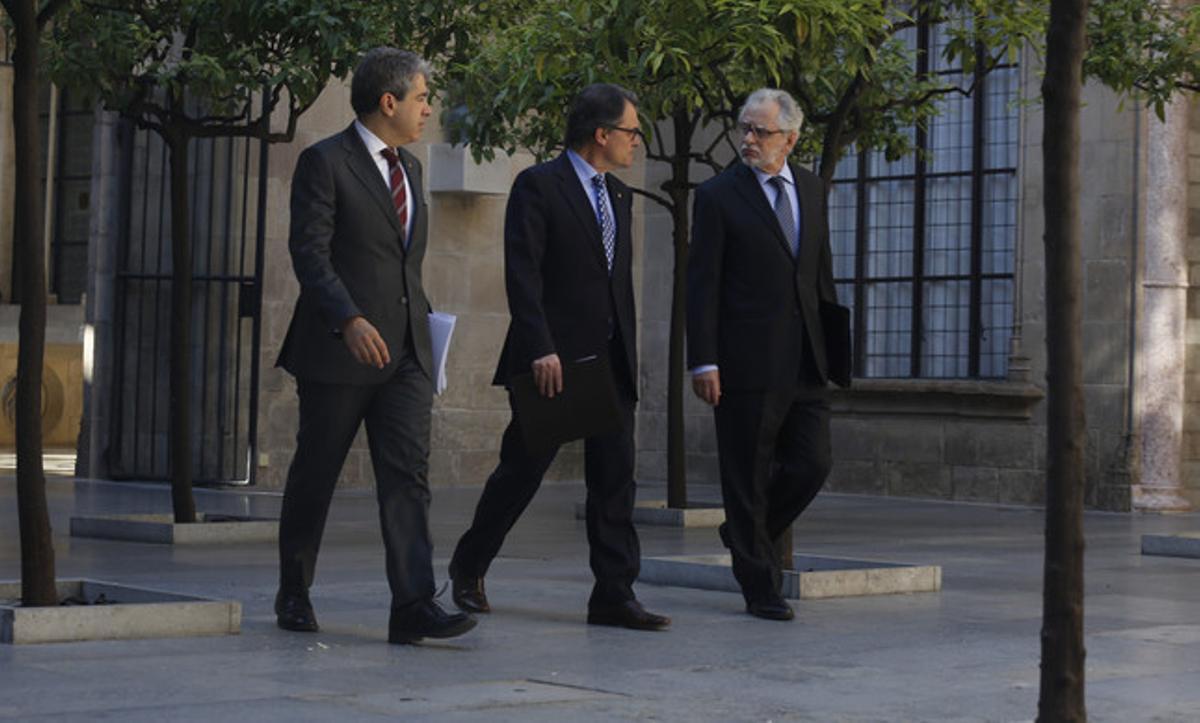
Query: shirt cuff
703, 368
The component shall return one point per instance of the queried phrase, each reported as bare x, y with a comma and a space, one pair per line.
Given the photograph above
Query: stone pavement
968, 653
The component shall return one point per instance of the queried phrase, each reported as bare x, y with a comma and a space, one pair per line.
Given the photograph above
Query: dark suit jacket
560, 295
348, 252
751, 306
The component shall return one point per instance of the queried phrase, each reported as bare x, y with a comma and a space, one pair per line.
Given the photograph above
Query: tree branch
48, 10
660, 200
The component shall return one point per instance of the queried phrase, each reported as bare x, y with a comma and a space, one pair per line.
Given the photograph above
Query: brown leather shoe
629, 614
468, 595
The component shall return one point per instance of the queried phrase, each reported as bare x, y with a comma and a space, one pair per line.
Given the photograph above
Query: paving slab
1184, 544
209, 529
812, 577
968, 653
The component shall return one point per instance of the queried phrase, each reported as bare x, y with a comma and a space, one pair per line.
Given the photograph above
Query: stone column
99, 303
1161, 351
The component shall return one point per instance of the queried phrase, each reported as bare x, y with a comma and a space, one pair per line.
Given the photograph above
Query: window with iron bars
924, 247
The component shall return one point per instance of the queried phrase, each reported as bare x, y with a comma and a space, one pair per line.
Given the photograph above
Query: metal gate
227, 197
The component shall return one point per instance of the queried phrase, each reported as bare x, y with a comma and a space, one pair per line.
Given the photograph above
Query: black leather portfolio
587, 406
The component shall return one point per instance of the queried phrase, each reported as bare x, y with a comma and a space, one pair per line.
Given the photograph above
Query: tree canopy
146, 59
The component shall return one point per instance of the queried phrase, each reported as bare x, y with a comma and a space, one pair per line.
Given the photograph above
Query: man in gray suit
359, 343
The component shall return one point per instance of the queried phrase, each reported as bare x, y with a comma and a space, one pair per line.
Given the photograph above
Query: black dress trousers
615, 555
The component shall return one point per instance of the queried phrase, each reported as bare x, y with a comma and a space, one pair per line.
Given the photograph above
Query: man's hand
707, 386
547, 375
365, 343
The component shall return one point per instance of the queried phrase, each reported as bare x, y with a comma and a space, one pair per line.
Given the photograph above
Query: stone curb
134, 613
161, 528
813, 577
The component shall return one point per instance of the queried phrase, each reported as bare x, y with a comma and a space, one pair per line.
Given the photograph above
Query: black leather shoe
468, 595
629, 614
294, 612
426, 619
771, 608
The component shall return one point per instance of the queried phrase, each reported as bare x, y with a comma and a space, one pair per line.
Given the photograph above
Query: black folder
835, 321
587, 406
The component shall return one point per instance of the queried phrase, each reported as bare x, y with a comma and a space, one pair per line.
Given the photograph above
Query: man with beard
759, 269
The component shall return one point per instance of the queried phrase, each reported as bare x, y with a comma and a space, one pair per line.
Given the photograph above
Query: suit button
404, 300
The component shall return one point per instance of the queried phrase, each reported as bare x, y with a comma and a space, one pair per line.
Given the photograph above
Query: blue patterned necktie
608, 230
783, 212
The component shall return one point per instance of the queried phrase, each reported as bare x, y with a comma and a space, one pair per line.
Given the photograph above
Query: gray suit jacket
348, 253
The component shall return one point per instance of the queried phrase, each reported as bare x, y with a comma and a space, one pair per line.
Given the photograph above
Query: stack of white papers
441, 328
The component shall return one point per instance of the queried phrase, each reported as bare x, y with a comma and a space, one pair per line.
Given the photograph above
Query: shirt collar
583, 169
373, 142
764, 178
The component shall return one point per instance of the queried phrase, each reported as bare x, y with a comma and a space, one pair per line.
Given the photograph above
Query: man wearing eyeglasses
759, 267
568, 273
359, 344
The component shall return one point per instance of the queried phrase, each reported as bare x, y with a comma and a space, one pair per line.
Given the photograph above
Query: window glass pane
948, 226
999, 223
842, 208
951, 133
997, 312
940, 36
889, 229
889, 330
946, 325
847, 168
1001, 122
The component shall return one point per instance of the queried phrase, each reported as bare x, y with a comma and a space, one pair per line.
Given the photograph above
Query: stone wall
1191, 418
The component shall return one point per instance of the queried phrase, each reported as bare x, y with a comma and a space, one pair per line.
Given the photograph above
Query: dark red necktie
399, 197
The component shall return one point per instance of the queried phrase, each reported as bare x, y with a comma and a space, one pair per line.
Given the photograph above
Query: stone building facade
930, 427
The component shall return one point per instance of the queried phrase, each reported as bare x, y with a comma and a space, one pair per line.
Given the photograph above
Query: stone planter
813, 577
1183, 544
127, 613
656, 513
212, 529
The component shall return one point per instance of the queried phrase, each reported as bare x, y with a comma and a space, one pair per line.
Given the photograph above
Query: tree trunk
1062, 676
37, 545
678, 190
180, 434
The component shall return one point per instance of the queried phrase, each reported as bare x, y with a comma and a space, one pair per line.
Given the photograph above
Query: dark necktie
399, 196
783, 212
608, 230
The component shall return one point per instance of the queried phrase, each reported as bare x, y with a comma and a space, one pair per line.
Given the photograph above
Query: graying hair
385, 70
790, 115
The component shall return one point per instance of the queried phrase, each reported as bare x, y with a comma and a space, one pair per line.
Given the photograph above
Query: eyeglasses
758, 131
633, 132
